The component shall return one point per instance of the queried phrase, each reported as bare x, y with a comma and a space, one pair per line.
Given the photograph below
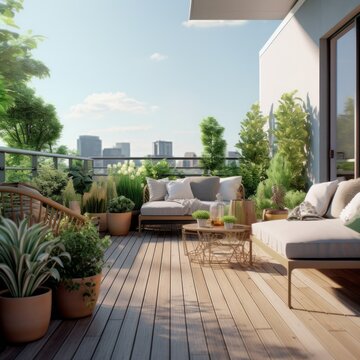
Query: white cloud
99, 104
120, 129
213, 23
158, 57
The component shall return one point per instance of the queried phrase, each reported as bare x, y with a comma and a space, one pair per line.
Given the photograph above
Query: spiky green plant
28, 255
95, 201
69, 194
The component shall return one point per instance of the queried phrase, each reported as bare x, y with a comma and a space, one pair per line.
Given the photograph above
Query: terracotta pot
25, 319
119, 223
102, 220
274, 214
76, 298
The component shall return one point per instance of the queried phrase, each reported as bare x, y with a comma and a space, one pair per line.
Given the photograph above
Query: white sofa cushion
161, 208
350, 215
319, 239
229, 187
157, 188
179, 189
319, 195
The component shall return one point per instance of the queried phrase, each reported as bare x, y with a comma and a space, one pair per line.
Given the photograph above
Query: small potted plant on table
229, 221
79, 286
201, 216
119, 215
28, 255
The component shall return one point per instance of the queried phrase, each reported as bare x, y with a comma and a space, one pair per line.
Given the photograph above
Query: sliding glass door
344, 147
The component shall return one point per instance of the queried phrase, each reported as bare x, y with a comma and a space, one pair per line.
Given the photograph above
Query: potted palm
278, 211
201, 216
229, 221
80, 278
119, 215
28, 255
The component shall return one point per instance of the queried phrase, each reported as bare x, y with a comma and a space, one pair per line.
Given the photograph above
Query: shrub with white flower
129, 180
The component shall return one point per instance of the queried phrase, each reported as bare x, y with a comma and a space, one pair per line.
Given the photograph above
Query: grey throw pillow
205, 188
346, 190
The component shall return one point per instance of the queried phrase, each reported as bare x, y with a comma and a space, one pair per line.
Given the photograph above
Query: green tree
253, 146
214, 146
292, 137
30, 123
254, 143
17, 63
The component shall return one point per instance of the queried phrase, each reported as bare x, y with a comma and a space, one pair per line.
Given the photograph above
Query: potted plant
95, 202
119, 215
70, 198
278, 211
229, 221
28, 255
80, 278
201, 216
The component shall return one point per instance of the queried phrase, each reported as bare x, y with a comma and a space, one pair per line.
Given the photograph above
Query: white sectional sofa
318, 244
174, 200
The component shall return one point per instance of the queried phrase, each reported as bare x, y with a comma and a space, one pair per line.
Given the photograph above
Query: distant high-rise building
163, 149
190, 163
232, 154
125, 148
112, 152
89, 146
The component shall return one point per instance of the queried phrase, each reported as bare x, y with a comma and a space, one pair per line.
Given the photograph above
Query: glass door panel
343, 96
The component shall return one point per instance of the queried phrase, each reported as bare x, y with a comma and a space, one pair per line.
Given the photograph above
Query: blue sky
137, 71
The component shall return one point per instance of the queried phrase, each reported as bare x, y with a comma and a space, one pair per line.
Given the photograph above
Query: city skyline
143, 75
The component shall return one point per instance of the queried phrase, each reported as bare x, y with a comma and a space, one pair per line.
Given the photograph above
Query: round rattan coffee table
215, 244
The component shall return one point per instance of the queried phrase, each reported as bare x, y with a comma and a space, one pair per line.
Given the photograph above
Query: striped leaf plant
28, 256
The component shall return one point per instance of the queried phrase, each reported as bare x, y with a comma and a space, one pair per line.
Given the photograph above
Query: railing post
34, 165
70, 163
86, 166
2, 167
56, 163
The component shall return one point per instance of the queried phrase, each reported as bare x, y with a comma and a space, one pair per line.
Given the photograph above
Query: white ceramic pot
228, 226
201, 222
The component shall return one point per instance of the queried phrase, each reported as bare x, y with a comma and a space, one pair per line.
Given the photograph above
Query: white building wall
290, 60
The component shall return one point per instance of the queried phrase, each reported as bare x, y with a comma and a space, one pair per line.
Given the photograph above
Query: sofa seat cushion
319, 239
162, 208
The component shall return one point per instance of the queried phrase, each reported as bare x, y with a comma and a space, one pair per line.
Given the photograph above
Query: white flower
132, 177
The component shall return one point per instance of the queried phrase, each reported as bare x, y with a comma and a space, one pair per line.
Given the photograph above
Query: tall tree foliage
17, 63
214, 146
292, 136
253, 146
30, 123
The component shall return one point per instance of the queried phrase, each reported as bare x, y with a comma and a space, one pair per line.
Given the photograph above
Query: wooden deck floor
155, 304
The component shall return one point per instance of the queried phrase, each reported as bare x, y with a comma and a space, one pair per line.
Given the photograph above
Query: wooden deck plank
125, 340
276, 321
233, 340
127, 276
196, 335
251, 340
161, 337
216, 344
143, 339
155, 303
178, 333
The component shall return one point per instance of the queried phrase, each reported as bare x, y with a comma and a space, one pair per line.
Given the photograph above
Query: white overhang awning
240, 9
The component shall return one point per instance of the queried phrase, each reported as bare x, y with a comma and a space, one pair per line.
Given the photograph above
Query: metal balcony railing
186, 166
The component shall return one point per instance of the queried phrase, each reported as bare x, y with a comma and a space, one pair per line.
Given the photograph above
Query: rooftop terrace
155, 304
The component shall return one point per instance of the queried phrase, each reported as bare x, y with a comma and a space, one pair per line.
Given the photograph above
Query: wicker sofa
316, 244
161, 207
